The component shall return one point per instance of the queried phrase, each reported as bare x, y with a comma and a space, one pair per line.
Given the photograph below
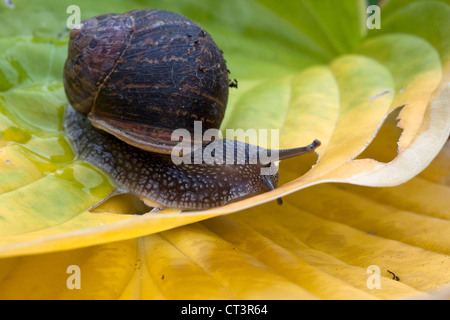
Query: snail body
162, 183
134, 78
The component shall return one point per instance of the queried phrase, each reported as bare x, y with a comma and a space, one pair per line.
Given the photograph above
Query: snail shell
142, 74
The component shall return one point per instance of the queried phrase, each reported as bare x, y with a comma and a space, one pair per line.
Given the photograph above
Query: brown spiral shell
142, 74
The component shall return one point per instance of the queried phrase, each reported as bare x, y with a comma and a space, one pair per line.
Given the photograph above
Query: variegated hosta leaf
325, 244
310, 69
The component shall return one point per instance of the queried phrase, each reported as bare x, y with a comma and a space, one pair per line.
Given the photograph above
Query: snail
131, 80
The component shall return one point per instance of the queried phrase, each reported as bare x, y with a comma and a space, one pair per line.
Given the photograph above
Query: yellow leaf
322, 245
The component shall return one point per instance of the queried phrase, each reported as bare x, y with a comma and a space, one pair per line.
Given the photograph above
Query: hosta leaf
322, 245
307, 68
432, 13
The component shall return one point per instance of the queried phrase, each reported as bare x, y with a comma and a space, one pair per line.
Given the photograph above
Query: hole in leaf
124, 203
296, 167
384, 147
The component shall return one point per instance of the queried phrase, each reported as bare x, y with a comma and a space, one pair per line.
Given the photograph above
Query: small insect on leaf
394, 277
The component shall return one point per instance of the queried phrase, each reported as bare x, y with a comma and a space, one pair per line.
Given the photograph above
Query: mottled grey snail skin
157, 180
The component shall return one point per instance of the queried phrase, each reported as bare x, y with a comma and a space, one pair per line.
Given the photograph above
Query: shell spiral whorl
142, 74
